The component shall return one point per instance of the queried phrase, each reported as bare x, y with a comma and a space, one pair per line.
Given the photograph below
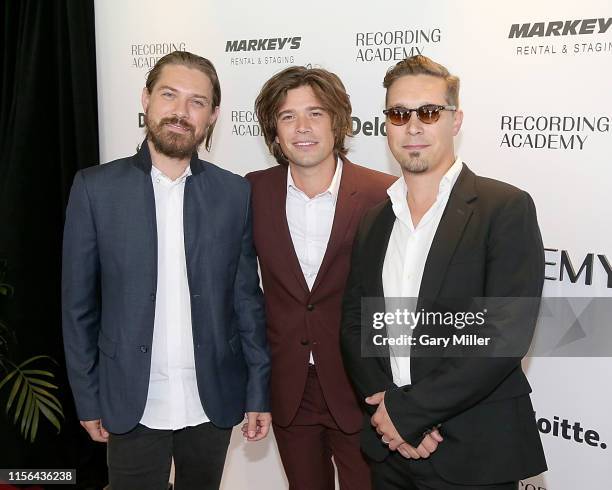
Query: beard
171, 144
415, 163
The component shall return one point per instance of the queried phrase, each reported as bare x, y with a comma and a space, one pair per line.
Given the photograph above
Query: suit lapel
374, 251
454, 219
142, 161
343, 216
202, 213
282, 236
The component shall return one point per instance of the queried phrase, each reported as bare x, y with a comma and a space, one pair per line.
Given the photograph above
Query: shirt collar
333, 188
157, 173
398, 190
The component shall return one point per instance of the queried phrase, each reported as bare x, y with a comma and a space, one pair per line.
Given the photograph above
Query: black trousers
399, 473
141, 458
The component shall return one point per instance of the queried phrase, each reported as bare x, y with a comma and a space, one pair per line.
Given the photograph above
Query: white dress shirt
173, 401
310, 223
407, 253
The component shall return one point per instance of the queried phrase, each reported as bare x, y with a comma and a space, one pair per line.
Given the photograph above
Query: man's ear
144, 99
214, 115
457, 122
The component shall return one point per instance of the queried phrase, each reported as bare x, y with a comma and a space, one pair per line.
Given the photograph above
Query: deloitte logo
369, 128
573, 432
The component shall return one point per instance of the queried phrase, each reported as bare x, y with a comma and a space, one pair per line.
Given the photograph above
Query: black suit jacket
487, 245
109, 288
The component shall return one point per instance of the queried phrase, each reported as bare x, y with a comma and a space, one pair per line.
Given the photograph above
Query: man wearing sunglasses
448, 416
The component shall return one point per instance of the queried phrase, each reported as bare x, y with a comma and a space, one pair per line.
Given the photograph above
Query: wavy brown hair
189, 60
422, 65
327, 87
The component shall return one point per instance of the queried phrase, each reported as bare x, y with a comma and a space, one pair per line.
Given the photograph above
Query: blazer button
310, 307
152, 296
144, 349
304, 342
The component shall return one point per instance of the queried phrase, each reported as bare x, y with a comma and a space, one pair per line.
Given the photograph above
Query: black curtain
48, 130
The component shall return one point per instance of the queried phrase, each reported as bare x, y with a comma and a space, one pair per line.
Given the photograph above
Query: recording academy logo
524, 485
394, 45
592, 269
245, 123
265, 51
551, 132
562, 37
144, 56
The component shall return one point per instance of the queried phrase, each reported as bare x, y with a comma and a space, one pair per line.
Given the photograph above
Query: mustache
177, 121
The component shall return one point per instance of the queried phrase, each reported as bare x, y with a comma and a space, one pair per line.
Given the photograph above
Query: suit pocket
107, 346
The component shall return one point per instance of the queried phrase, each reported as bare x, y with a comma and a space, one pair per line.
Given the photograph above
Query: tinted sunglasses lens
398, 117
428, 114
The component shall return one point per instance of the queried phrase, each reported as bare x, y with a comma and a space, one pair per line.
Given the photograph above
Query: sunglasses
428, 114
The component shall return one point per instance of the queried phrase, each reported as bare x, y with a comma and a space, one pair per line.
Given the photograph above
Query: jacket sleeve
81, 300
249, 308
513, 281
366, 373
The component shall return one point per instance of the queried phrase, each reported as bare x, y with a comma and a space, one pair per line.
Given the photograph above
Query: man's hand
389, 434
257, 425
382, 422
95, 430
426, 448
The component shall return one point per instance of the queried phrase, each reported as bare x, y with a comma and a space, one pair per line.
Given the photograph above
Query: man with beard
163, 317
449, 416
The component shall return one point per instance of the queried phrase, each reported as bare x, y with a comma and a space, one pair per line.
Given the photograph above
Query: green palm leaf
50, 416
20, 403
33, 397
38, 371
14, 392
46, 395
7, 378
42, 382
34, 426
51, 404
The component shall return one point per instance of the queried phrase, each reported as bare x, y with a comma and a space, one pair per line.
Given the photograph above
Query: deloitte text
564, 429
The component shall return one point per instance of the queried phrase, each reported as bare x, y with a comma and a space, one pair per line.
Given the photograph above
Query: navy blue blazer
109, 282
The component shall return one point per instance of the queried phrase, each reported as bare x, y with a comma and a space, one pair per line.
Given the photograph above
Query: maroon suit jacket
299, 320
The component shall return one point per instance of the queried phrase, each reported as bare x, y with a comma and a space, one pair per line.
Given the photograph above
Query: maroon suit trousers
308, 444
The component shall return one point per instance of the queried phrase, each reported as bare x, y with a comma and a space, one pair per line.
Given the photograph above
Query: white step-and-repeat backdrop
537, 97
